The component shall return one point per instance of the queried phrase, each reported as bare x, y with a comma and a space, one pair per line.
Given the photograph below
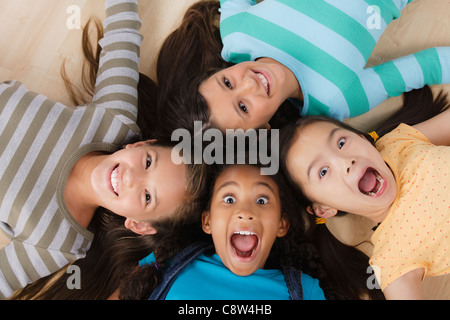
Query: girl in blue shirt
256, 249
245, 219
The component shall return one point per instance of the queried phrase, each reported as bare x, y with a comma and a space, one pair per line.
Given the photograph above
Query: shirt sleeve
391, 79
22, 263
234, 6
231, 17
118, 75
311, 288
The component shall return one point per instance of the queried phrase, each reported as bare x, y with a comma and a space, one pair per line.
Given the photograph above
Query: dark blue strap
293, 278
181, 260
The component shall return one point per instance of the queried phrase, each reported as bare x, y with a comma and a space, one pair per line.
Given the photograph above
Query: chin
242, 273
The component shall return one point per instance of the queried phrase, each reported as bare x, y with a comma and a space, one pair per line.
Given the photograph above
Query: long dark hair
347, 266
188, 56
138, 284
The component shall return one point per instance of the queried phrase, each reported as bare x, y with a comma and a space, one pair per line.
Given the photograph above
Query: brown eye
323, 172
262, 200
243, 107
341, 143
227, 83
147, 197
229, 199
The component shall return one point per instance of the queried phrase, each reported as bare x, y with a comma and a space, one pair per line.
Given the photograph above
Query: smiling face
139, 182
340, 170
248, 94
244, 218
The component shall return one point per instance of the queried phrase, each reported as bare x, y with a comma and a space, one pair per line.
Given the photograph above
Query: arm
407, 287
391, 79
238, 2
22, 263
437, 129
118, 75
232, 7
6, 270
427, 67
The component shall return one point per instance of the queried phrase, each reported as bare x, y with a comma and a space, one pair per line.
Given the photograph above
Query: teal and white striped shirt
40, 141
327, 43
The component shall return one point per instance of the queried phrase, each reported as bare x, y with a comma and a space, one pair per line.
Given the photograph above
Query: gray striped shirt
41, 140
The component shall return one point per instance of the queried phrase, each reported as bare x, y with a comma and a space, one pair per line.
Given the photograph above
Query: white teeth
380, 180
245, 233
114, 183
264, 81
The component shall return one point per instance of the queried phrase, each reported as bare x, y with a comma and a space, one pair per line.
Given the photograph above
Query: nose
349, 164
245, 215
132, 178
248, 84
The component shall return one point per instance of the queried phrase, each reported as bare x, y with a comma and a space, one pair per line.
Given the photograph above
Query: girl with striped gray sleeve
60, 164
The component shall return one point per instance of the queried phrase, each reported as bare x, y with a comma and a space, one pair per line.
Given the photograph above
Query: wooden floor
37, 36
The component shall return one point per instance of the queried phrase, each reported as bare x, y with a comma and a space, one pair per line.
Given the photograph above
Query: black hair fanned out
418, 106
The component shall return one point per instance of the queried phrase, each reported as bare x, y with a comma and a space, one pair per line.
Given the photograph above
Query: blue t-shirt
207, 278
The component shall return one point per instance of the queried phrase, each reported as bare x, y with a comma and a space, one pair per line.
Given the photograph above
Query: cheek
173, 178
218, 233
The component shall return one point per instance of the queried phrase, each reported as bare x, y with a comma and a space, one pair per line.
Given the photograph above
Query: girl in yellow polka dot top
401, 182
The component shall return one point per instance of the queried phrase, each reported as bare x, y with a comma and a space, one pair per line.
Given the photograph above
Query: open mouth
244, 243
264, 81
371, 183
114, 182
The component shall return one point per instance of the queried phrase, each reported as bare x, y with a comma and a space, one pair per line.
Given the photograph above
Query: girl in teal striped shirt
312, 53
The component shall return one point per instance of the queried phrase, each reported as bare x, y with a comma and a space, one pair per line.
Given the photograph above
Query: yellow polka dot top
415, 234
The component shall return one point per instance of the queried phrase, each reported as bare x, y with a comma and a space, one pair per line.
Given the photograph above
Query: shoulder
235, 6
311, 288
400, 140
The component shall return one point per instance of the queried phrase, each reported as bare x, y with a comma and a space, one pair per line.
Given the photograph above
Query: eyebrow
329, 140
234, 183
266, 185
228, 183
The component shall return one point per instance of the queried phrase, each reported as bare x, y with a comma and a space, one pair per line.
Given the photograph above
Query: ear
321, 211
140, 143
206, 222
139, 227
283, 228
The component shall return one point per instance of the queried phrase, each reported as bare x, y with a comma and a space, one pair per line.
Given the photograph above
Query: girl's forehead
310, 134
243, 174
318, 127
239, 172
309, 141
